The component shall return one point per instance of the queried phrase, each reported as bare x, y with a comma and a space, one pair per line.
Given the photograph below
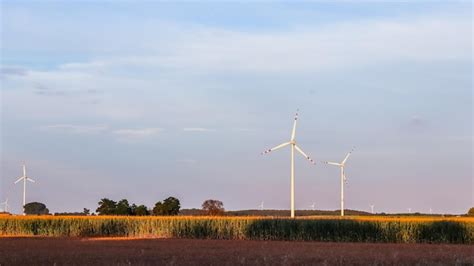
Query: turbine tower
294, 147
372, 208
5, 204
343, 177
261, 206
312, 206
24, 178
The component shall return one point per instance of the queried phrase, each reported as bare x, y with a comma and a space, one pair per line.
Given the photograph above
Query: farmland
386, 229
100, 251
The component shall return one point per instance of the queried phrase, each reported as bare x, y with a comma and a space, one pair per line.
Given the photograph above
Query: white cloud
136, 134
197, 129
76, 129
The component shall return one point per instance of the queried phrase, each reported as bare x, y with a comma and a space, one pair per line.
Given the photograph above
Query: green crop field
327, 228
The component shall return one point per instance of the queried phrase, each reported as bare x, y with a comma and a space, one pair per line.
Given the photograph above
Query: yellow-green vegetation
327, 228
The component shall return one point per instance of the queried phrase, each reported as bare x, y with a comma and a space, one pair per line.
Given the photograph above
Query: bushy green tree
106, 207
123, 208
169, 206
110, 207
36, 208
140, 210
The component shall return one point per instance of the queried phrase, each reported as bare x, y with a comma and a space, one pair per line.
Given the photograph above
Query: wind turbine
261, 206
5, 204
343, 177
293, 146
372, 208
24, 178
409, 210
312, 206
431, 211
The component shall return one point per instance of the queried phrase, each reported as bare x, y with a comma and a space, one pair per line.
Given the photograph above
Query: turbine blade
332, 163
304, 154
347, 156
31, 180
293, 132
276, 148
19, 179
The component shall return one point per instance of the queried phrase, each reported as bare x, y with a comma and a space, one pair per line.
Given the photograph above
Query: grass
382, 229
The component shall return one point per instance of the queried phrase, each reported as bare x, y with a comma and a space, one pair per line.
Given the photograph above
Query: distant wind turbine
409, 210
293, 145
312, 206
372, 208
24, 178
5, 204
431, 211
343, 177
261, 206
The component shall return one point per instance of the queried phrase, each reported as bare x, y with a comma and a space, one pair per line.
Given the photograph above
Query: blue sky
151, 99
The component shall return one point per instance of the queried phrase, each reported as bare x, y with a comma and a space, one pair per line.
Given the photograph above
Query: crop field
454, 230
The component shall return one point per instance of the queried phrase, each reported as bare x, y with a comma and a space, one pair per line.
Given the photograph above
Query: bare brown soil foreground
76, 251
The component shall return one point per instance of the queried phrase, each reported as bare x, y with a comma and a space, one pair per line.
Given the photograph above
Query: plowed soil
67, 251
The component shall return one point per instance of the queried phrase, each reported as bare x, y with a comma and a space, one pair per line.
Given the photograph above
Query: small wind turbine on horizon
312, 206
343, 177
293, 146
5, 204
24, 178
261, 206
409, 210
372, 208
431, 211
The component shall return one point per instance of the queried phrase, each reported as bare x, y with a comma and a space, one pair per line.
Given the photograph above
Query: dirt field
60, 251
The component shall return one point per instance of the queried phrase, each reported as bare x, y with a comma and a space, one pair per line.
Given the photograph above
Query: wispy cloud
198, 129
121, 134
136, 134
76, 129
12, 71
243, 129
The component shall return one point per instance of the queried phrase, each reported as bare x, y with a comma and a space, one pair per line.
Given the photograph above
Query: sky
143, 100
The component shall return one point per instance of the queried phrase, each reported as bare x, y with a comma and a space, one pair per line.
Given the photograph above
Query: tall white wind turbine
24, 178
312, 206
293, 146
261, 206
372, 208
343, 177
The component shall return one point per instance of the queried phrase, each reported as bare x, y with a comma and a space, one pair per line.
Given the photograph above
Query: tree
140, 210
159, 209
470, 212
36, 208
123, 208
106, 207
213, 207
169, 206
172, 205
86, 211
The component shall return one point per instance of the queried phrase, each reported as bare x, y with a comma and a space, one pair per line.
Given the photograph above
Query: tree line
168, 207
